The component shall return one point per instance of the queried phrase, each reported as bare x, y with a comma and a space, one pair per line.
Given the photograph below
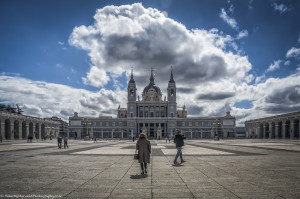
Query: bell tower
131, 88
131, 96
172, 105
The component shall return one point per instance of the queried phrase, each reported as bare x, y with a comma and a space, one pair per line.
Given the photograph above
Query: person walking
66, 142
59, 140
143, 147
178, 140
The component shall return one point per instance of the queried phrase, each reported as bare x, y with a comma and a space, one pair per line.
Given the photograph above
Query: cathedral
158, 118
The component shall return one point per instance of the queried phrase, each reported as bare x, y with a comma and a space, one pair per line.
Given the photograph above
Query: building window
107, 124
172, 115
100, 123
131, 114
196, 124
190, 123
183, 123
120, 123
151, 114
113, 124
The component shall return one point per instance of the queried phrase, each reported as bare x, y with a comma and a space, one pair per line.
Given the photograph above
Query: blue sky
255, 45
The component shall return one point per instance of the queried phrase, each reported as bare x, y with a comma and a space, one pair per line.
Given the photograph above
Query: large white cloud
131, 35
44, 99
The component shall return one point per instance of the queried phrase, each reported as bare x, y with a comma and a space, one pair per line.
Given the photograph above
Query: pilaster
20, 130
276, 130
270, 130
40, 131
292, 130
2, 130
283, 129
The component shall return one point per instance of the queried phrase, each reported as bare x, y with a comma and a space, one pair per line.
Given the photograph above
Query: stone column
12, 130
276, 130
191, 133
122, 134
299, 129
40, 131
33, 133
257, 132
112, 133
2, 130
92, 132
270, 130
102, 133
20, 130
283, 129
292, 130
27, 130
264, 131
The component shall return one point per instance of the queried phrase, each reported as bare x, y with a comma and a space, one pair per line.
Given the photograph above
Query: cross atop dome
152, 77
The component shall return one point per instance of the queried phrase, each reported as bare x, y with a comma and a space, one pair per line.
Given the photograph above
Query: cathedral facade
158, 118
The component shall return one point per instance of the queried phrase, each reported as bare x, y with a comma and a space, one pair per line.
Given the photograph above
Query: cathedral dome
156, 88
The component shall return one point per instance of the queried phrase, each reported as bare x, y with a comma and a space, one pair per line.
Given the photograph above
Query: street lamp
217, 122
86, 123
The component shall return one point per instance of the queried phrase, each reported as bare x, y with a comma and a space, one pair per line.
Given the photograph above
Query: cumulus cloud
287, 63
293, 52
215, 96
280, 7
229, 20
131, 35
275, 65
44, 99
243, 33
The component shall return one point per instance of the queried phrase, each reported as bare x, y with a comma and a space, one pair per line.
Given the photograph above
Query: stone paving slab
250, 170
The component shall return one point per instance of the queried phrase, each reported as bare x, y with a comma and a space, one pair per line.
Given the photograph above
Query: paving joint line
91, 178
181, 178
121, 178
216, 181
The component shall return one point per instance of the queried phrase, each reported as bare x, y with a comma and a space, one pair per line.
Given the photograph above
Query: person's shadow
138, 176
177, 165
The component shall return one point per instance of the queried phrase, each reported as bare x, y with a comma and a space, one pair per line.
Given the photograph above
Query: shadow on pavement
177, 165
138, 176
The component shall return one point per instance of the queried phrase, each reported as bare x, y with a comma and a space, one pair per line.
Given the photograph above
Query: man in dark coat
178, 140
66, 142
59, 140
144, 148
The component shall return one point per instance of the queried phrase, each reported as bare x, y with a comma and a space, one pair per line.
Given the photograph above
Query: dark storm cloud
109, 112
277, 109
215, 96
195, 110
240, 117
65, 113
30, 110
287, 96
184, 90
89, 105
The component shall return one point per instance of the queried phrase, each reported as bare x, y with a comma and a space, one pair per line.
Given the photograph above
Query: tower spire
171, 77
151, 77
131, 78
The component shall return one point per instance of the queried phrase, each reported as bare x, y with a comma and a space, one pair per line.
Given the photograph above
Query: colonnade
277, 127
16, 126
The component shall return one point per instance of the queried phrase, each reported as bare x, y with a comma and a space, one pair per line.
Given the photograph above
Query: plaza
237, 168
